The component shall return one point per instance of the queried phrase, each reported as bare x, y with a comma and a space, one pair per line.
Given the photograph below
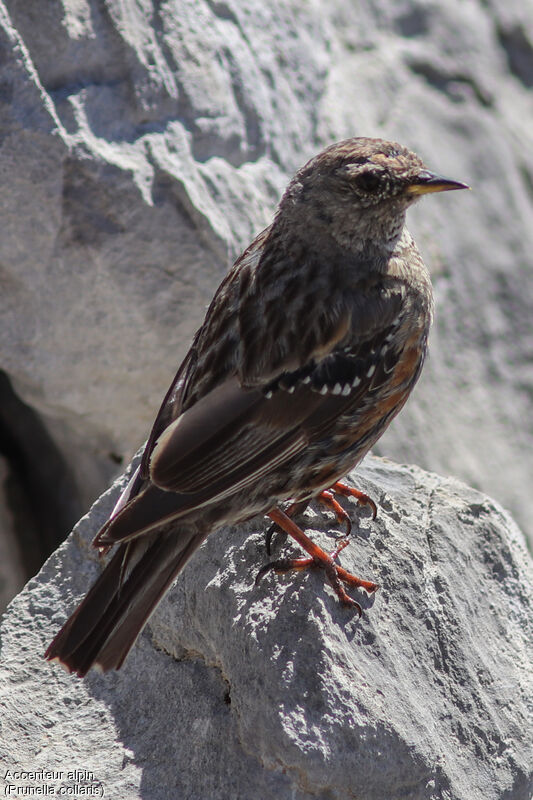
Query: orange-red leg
319, 558
327, 498
292, 511
362, 498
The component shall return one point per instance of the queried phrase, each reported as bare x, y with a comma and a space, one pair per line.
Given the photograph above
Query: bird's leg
327, 498
292, 511
318, 558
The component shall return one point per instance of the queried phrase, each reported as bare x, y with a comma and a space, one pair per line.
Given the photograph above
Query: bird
310, 347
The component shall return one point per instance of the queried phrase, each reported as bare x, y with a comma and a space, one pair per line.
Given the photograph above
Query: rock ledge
277, 691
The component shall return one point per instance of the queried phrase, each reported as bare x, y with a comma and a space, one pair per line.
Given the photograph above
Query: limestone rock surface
275, 692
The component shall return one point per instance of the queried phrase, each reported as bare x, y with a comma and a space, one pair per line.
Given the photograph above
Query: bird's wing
236, 435
170, 407
219, 446
207, 354
228, 439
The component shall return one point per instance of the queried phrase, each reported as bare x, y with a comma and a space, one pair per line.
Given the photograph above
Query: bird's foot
318, 558
362, 498
327, 498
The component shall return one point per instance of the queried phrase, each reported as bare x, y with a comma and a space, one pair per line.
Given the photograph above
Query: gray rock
276, 691
143, 146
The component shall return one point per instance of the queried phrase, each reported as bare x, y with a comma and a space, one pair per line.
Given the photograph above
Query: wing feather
225, 433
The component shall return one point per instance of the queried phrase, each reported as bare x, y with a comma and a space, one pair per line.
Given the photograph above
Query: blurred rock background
143, 145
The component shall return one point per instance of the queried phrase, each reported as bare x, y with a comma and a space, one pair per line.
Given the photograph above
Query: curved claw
362, 498
373, 506
269, 535
347, 601
283, 565
263, 571
327, 498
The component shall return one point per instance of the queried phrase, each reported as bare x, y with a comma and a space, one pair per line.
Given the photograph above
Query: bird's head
360, 188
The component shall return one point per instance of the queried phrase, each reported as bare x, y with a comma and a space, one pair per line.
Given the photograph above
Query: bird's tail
104, 627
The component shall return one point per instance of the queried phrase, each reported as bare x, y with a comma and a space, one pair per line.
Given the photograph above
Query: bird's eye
368, 181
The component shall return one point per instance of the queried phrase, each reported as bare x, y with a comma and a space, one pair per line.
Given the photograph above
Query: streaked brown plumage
310, 347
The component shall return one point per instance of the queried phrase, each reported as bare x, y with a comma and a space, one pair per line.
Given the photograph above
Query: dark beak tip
431, 182
459, 185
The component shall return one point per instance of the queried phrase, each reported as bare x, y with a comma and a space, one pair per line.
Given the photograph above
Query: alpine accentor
311, 345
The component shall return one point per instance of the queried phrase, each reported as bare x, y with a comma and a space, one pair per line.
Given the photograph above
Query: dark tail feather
106, 624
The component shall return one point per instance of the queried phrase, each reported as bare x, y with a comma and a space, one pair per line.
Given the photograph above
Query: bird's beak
426, 182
